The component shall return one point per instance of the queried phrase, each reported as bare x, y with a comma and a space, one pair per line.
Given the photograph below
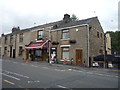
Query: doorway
10, 51
79, 57
13, 53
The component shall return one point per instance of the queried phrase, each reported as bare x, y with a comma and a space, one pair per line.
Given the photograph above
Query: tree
74, 17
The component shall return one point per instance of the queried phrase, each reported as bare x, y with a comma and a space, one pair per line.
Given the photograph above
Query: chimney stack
15, 29
66, 18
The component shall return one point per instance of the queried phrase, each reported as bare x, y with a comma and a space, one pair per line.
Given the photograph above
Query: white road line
23, 64
61, 86
14, 62
34, 66
45, 67
10, 76
106, 75
16, 74
59, 70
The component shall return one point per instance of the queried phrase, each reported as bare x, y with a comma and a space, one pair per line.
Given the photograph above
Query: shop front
37, 51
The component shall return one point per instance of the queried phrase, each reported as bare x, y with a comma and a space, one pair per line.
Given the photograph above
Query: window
5, 39
65, 34
101, 35
0, 51
98, 34
40, 35
101, 51
11, 38
20, 51
38, 53
21, 37
5, 50
65, 53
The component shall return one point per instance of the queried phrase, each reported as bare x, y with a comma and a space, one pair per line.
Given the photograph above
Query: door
13, 53
78, 57
10, 52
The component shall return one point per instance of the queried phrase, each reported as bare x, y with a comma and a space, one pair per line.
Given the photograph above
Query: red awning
37, 45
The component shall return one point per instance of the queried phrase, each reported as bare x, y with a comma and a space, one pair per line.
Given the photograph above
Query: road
17, 74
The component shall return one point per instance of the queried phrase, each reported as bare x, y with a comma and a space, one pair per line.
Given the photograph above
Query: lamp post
49, 46
104, 50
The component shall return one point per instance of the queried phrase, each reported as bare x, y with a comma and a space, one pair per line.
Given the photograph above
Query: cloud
25, 13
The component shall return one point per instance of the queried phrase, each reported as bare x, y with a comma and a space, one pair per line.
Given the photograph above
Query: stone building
66, 40
108, 44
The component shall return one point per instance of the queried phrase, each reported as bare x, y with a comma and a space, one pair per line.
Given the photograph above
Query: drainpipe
15, 43
88, 44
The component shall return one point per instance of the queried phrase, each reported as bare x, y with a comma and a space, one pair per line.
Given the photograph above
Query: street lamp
49, 46
104, 50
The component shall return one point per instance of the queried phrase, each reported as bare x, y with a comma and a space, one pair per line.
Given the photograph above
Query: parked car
95, 64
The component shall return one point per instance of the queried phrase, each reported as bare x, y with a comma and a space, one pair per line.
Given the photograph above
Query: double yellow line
9, 82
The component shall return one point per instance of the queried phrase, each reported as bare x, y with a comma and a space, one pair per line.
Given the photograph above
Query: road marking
16, 74
37, 81
45, 67
9, 82
10, 76
106, 75
61, 86
14, 62
23, 63
59, 70
34, 66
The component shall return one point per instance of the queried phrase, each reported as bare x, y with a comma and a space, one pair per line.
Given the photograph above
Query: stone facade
86, 40
108, 44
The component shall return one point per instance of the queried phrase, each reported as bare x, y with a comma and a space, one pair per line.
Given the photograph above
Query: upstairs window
98, 34
65, 34
21, 37
40, 35
11, 38
5, 39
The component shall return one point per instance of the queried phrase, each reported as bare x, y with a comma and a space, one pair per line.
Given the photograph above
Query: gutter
69, 27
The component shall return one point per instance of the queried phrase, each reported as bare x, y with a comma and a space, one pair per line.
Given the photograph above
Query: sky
29, 13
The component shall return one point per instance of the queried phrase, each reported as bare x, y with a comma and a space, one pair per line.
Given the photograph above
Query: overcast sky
25, 13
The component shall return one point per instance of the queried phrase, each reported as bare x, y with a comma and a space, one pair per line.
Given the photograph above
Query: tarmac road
18, 74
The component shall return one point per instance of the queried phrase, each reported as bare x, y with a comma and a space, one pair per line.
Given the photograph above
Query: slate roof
74, 23
60, 24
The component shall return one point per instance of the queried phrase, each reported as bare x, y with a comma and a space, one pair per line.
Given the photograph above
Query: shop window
40, 35
65, 53
65, 34
38, 53
21, 37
